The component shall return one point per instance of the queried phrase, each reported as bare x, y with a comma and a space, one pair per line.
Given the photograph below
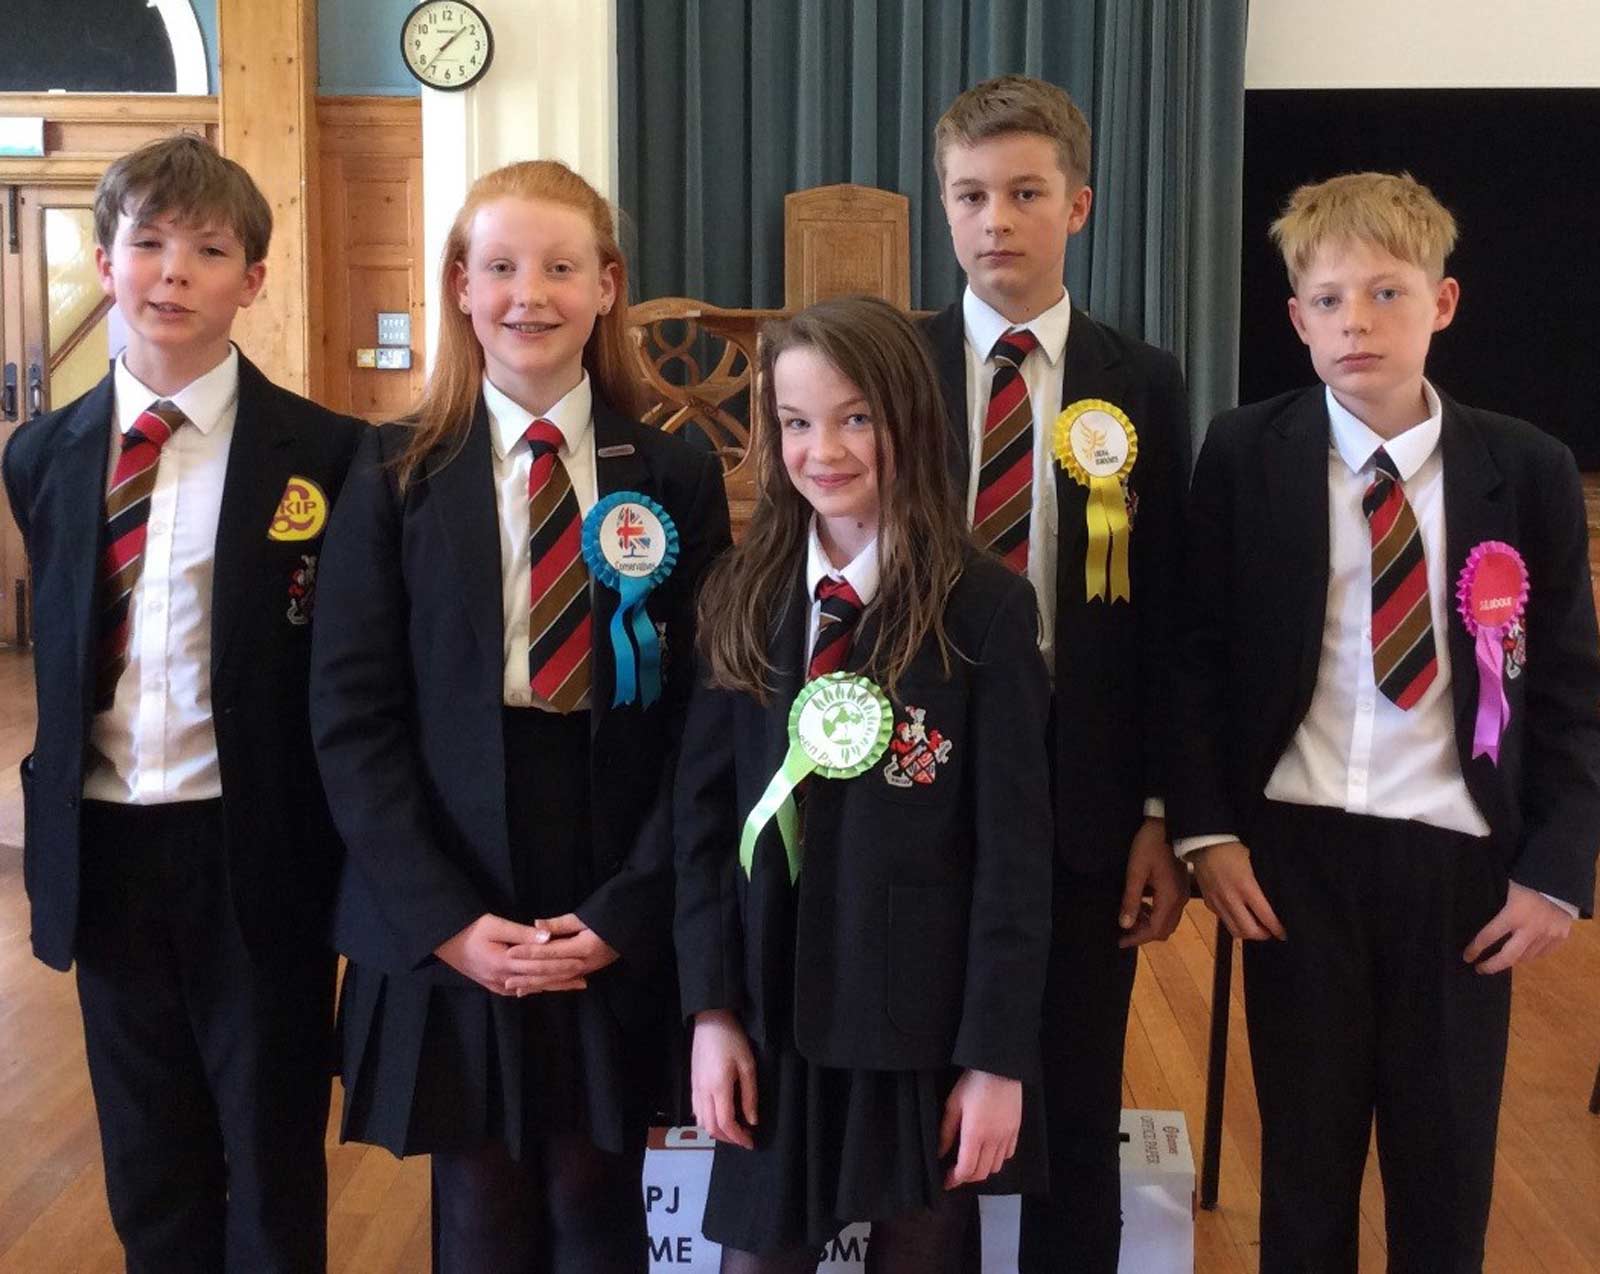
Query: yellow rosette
1096, 444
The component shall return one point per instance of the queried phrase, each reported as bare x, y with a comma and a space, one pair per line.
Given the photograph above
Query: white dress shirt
1042, 374
861, 574
513, 458
156, 743
1356, 750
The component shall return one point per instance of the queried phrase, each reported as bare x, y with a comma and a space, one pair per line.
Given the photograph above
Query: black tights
567, 1206
936, 1240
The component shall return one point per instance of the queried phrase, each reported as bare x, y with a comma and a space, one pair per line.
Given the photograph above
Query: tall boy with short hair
1388, 690
177, 844
1072, 445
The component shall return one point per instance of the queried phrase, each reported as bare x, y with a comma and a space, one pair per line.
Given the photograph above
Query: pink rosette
1491, 593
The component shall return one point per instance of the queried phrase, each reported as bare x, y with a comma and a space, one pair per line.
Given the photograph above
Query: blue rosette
630, 544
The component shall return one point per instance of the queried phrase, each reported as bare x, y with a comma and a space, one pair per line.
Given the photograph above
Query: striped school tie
558, 618
122, 560
1404, 662
836, 623
1005, 472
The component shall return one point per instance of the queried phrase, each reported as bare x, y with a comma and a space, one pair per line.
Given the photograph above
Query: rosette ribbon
839, 726
622, 556
1491, 594
1105, 568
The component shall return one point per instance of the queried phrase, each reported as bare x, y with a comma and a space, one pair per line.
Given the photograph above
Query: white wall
550, 93
1423, 44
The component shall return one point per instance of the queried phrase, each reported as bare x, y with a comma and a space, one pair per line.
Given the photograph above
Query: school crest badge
302, 589
915, 752
1130, 500
1515, 645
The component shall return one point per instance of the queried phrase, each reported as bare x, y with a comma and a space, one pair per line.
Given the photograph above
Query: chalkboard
85, 46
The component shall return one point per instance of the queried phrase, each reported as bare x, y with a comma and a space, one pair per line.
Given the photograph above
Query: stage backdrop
727, 105
1516, 168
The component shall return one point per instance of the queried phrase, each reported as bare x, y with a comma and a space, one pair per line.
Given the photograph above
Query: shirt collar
861, 574
985, 325
1356, 444
509, 419
203, 400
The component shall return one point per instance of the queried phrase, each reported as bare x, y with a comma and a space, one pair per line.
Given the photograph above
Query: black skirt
437, 1063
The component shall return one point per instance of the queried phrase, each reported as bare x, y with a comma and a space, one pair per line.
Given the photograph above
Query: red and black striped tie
558, 617
122, 560
1005, 472
1404, 662
836, 623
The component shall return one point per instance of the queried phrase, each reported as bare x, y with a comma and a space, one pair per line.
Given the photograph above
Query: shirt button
519, 699
156, 608
158, 528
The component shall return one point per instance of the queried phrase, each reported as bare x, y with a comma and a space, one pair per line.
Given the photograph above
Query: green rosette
839, 726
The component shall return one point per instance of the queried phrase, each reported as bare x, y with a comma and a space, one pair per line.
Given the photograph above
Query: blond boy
1387, 692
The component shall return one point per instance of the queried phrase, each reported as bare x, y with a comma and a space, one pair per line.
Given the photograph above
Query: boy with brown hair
1071, 450
1388, 690
177, 843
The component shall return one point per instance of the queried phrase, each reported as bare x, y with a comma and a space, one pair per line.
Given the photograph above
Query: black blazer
283, 854
407, 690
1112, 661
921, 919
1257, 600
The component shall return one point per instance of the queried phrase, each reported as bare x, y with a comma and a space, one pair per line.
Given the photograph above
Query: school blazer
1112, 731
1257, 567
917, 933
283, 854
407, 692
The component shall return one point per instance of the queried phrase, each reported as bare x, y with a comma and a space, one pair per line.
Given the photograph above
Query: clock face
446, 44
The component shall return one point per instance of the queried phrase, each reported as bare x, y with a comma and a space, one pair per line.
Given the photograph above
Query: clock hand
460, 31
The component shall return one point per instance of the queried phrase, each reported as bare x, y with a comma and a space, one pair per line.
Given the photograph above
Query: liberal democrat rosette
839, 727
1096, 444
1491, 594
631, 544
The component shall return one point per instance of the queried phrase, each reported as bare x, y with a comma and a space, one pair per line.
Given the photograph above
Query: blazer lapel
947, 335
617, 467
466, 516
1473, 513
1295, 469
1088, 370
83, 503
259, 467
789, 661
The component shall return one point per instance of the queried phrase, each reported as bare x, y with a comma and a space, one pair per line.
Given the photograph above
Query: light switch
394, 327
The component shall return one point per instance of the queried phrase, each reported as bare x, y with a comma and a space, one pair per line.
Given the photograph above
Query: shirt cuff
1562, 903
1188, 844
1155, 807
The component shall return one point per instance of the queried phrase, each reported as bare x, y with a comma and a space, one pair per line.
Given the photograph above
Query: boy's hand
986, 1110
722, 1071
483, 951
561, 954
1232, 892
1534, 924
1153, 869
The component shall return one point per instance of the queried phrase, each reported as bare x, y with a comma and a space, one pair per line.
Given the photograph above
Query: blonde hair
183, 175
445, 412
1016, 104
1394, 212
922, 535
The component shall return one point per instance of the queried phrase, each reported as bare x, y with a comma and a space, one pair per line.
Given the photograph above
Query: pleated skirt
440, 1064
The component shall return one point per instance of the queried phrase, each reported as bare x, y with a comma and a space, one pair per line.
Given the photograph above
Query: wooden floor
1547, 1185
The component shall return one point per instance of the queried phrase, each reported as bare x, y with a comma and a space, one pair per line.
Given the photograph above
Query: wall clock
446, 44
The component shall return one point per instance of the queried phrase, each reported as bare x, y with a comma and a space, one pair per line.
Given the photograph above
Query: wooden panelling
839, 240
370, 161
83, 132
268, 116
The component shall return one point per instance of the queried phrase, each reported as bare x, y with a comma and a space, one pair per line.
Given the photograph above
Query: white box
1157, 1204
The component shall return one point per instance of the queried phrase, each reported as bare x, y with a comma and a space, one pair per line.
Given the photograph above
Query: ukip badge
302, 511
302, 589
915, 751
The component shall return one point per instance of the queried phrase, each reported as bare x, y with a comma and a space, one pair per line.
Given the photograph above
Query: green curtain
727, 105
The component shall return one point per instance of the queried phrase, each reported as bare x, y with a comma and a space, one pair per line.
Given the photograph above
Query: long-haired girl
864, 859
499, 679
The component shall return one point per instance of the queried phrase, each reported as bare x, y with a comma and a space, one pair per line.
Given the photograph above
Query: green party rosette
839, 726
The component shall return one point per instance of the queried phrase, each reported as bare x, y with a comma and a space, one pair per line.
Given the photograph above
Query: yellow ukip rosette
1096, 445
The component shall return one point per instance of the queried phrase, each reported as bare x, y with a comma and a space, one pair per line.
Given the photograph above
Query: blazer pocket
927, 958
